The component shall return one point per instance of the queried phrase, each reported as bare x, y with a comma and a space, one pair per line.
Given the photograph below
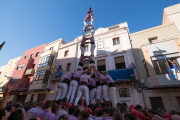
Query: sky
25, 24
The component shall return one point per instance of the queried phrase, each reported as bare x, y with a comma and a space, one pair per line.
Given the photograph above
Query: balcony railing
23, 86
122, 74
29, 71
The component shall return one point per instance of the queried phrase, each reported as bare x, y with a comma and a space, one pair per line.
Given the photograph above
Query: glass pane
156, 67
163, 66
47, 59
118, 41
114, 42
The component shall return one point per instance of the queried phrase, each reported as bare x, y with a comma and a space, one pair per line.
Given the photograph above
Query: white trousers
55, 94
113, 96
82, 91
63, 88
92, 20
82, 50
98, 92
85, 23
84, 34
105, 92
92, 32
72, 90
92, 95
92, 49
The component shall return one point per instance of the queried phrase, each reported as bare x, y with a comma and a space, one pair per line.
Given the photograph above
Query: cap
42, 105
166, 115
141, 116
134, 112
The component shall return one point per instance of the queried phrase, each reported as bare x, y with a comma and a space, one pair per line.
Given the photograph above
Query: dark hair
117, 116
33, 119
48, 104
71, 110
123, 110
54, 108
64, 99
54, 101
84, 114
124, 105
138, 107
59, 101
151, 111
105, 72
64, 106
27, 108
76, 112
145, 113
119, 104
173, 112
9, 108
16, 115
63, 117
10, 102
100, 72
155, 112
99, 113
108, 110
17, 105
2, 113
130, 116
178, 113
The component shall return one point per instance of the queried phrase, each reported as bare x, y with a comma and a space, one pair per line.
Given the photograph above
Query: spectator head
131, 107
71, 110
178, 113
17, 106
141, 116
150, 113
175, 117
119, 106
84, 115
63, 106
144, 112
64, 100
138, 108
129, 116
18, 114
123, 110
54, 101
4, 114
105, 73
48, 104
27, 108
156, 117
124, 105
76, 113
117, 116
134, 112
166, 115
81, 109
63, 117
59, 102
171, 112
99, 113
11, 103
55, 109
107, 112
10, 108
42, 105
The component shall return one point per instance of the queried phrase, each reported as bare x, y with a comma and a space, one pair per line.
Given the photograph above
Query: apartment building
41, 81
7, 73
23, 74
2, 87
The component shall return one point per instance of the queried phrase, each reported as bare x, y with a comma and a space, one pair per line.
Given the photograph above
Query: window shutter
86, 64
119, 59
100, 62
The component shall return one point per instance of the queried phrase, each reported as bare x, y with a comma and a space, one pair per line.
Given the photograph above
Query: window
68, 67
5, 75
14, 80
24, 57
47, 60
160, 66
101, 65
31, 55
32, 97
66, 53
120, 62
16, 62
0, 73
37, 54
116, 41
86, 48
10, 63
174, 60
153, 40
10, 73
51, 48
33, 65
85, 65
20, 67
124, 92
42, 74
36, 76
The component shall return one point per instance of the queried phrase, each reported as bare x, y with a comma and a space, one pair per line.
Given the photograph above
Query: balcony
29, 71
122, 74
23, 87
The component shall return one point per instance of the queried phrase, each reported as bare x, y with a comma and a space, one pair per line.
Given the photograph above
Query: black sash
65, 80
112, 85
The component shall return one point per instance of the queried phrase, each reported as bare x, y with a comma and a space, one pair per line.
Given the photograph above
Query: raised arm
3, 102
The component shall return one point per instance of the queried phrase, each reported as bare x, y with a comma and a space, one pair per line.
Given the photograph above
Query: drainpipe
136, 67
76, 56
50, 77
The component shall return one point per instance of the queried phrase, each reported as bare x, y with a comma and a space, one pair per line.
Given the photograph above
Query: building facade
23, 74
153, 48
41, 81
2, 87
7, 73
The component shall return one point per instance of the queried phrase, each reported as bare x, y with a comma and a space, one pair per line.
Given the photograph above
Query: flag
54, 68
57, 67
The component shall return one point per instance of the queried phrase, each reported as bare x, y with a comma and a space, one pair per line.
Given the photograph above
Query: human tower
90, 84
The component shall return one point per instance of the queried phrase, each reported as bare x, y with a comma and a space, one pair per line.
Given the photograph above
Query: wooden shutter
101, 62
119, 59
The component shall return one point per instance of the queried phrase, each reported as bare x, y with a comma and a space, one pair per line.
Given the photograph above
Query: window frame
40, 75
25, 57
153, 38
51, 48
125, 91
5, 74
101, 65
16, 62
67, 67
10, 74
20, 67
116, 40
10, 63
13, 79
66, 53
86, 48
31, 56
45, 60
37, 54
121, 62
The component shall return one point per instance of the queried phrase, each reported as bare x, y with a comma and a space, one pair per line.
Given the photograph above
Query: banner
172, 74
